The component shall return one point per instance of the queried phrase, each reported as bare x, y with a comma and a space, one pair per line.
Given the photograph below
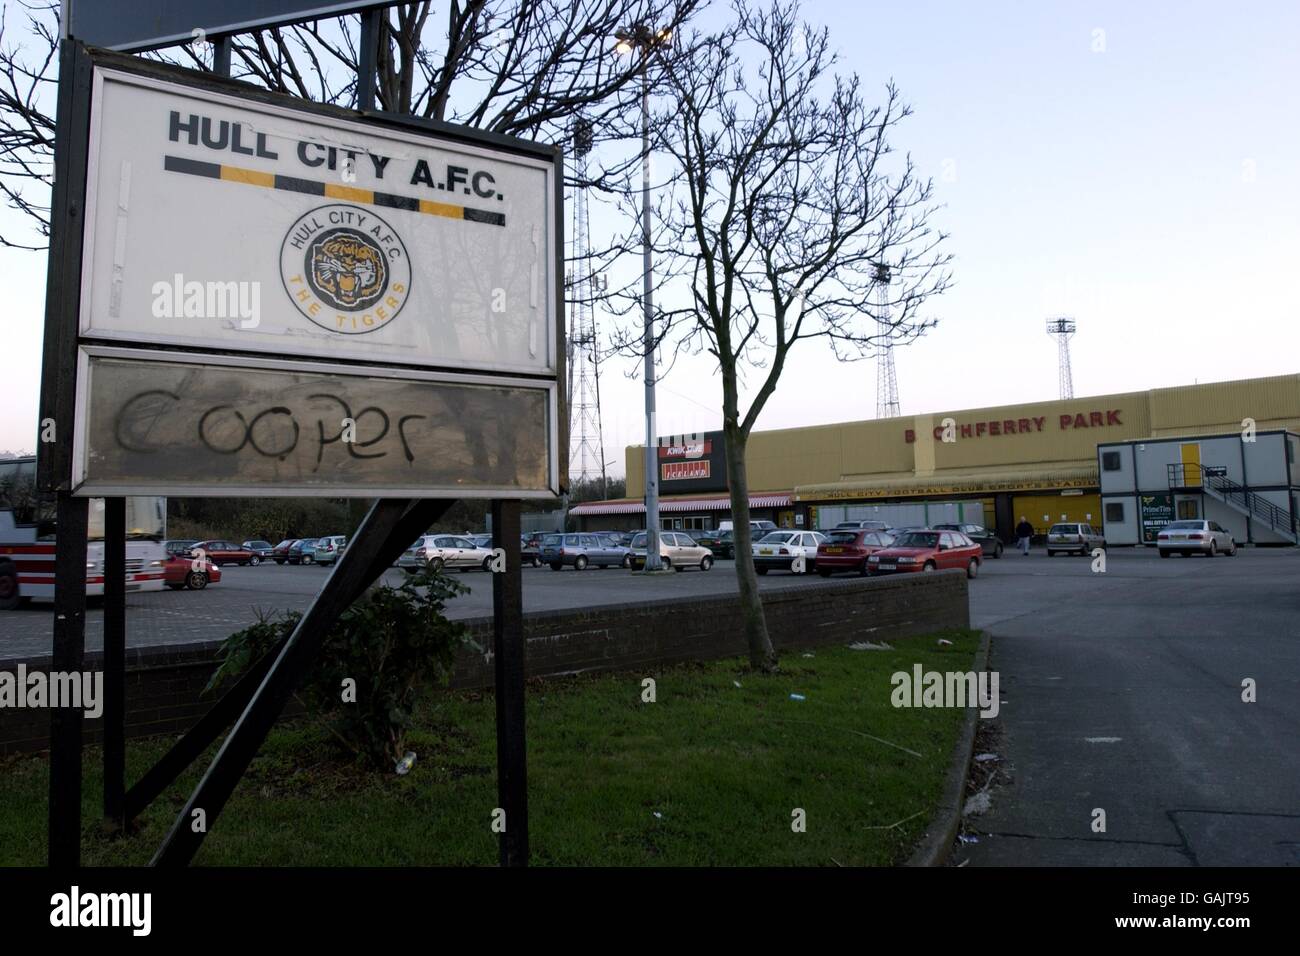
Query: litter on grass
981, 758
868, 646
798, 697
944, 640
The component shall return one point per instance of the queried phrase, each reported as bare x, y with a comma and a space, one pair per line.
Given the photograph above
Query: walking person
1024, 531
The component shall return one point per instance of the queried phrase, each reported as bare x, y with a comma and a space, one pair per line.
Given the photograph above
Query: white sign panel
224, 223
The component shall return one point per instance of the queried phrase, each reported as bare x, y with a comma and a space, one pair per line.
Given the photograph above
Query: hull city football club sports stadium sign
281, 298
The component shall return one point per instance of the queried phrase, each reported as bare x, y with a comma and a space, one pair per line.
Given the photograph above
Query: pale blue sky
1150, 189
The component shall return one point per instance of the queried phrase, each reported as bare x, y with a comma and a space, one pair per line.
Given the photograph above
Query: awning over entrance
628, 506
1046, 478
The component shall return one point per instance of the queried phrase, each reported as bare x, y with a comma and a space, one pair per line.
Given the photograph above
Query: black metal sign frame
256, 701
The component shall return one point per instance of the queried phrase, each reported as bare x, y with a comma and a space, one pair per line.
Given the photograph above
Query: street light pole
646, 40
652, 561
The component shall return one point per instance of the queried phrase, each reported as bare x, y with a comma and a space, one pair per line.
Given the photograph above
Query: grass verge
709, 774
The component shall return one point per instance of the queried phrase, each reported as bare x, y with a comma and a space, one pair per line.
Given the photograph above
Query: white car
440, 551
1195, 537
780, 549
1073, 538
676, 551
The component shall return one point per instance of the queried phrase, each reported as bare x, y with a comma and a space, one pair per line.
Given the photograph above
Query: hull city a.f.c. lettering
345, 269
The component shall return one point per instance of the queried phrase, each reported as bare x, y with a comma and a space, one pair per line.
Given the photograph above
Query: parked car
676, 551
280, 553
327, 550
186, 570
928, 550
778, 549
226, 552
721, 543
756, 528
1195, 537
264, 550
848, 550
440, 551
986, 539
1073, 537
178, 545
482, 539
862, 525
583, 550
530, 549
301, 551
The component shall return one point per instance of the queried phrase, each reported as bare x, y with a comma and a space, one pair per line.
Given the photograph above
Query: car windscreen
639, 541
1186, 526
917, 539
776, 537
1064, 529
842, 537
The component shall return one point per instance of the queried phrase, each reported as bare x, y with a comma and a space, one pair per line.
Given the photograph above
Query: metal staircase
1214, 481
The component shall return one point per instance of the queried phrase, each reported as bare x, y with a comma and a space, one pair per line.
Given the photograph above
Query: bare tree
787, 198
519, 67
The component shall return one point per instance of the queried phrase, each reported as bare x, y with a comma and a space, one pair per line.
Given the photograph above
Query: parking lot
1120, 691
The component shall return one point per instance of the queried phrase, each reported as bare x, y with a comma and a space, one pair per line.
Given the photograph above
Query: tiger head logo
345, 268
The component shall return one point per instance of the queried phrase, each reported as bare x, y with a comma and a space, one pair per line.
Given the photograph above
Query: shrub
390, 641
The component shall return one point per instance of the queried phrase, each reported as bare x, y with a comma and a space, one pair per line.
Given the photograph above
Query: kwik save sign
280, 298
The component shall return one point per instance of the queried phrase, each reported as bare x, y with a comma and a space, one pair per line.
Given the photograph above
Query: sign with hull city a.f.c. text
225, 223
281, 298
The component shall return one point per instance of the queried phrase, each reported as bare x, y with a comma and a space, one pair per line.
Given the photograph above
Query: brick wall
163, 684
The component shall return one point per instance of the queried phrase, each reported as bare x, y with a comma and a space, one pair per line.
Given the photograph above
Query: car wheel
760, 570
668, 563
930, 566
437, 564
973, 569
627, 561
196, 580
729, 554
864, 568
537, 562
556, 566
1214, 548
824, 572
279, 560
1164, 554
307, 559
487, 565
997, 550
1051, 553
255, 560
580, 563
1232, 548
706, 562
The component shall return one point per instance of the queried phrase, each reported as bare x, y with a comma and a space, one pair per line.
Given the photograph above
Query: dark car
530, 549
178, 545
720, 543
862, 526
295, 551
986, 539
583, 551
280, 553
264, 550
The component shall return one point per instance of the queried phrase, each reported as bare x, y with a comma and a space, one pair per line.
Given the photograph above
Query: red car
928, 550
226, 552
186, 570
848, 550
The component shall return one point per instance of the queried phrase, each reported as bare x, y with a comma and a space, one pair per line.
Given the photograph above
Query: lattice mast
587, 445
1062, 328
887, 405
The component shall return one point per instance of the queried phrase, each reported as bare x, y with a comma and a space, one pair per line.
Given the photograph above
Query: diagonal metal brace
387, 530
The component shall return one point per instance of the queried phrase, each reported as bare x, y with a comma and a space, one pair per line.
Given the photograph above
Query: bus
28, 540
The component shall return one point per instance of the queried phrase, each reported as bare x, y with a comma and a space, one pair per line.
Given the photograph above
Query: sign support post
114, 659
508, 661
68, 657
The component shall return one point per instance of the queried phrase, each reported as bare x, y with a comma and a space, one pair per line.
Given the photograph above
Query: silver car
328, 550
676, 551
1195, 537
1073, 538
440, 551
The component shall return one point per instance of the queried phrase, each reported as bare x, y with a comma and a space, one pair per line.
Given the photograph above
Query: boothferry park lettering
346, 165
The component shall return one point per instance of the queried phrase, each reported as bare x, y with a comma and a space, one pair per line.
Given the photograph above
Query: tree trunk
761, 654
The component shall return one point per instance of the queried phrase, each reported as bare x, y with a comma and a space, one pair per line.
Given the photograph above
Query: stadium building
1226, 451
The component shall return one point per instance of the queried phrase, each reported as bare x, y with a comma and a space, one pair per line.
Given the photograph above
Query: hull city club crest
345, 269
